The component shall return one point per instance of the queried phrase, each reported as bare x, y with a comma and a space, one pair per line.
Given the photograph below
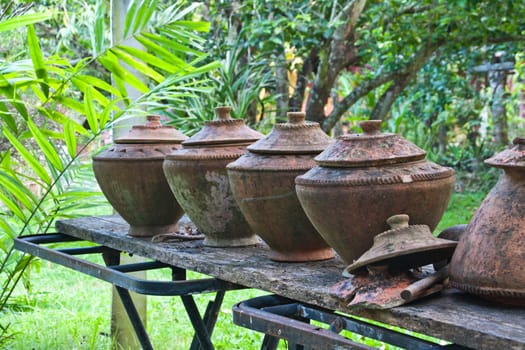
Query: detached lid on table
372, 148
152, 132
404, 246
223, 131
297, 136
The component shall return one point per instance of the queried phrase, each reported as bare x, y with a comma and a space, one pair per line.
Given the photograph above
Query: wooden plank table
453, 316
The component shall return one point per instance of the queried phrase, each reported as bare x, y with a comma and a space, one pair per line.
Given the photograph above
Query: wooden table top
452, 315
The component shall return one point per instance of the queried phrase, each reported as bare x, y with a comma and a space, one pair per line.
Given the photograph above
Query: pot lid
152, 132
513, 157
223, 130
371, 148
403, 246
297, 136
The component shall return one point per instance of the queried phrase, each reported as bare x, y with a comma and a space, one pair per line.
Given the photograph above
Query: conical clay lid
403, 246
513, 157
223, 130
152, 132
297, 136
372, 148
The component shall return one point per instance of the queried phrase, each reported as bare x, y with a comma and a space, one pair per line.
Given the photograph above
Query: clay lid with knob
403, 247
371, 148
297, 136
223, 130
152, 132
513, 157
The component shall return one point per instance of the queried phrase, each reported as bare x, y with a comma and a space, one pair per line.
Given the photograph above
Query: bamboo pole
122, 331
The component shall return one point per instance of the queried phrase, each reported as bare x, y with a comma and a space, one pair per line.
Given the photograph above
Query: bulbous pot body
198, 178
132, 179
264, 187
363, 179
349, 206
489, 259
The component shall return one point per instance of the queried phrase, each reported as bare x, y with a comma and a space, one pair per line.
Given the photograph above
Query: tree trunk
296, 102
281, 86
340, 53
497, 81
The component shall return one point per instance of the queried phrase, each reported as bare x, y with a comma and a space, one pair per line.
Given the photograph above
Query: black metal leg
210, 318
295, 346
197, 322
134, 317
269, 342
111, 257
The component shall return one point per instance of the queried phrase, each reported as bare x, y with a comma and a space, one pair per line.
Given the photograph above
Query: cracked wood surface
453, 315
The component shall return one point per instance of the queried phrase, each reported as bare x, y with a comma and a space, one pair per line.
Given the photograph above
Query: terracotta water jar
130, 175
198, 178
490, 257
363, 179
263, 183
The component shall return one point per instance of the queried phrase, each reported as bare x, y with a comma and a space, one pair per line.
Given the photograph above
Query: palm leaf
138, 65
46, 147
23, 20
31, 160
98, 28
18, 190
110, 62
91, 113
7, 117
70, 138
36, 57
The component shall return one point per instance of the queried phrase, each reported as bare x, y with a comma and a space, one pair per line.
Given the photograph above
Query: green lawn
69, 310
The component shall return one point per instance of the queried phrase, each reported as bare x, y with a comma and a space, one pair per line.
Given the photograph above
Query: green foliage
45, 171
235, 83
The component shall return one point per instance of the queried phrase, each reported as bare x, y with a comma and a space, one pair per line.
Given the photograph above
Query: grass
69, 310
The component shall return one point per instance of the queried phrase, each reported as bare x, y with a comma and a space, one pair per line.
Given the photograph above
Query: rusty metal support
283, 318
115, 273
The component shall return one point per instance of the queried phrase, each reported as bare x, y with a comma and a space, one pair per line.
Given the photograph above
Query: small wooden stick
412, 291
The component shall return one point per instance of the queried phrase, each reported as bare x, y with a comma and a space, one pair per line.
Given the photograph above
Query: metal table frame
453, 315
115, 273
282, 318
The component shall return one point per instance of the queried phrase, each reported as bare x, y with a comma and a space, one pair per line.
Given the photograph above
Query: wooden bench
453, 316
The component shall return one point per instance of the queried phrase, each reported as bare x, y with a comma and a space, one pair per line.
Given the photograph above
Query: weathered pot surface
489, 258
363, 179
263, 185
403, 247
130, 175
198, 178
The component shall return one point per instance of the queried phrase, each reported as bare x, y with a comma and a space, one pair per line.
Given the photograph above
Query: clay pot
263, 183
403, 247
489, 258
198, 178
130, 175
363, 179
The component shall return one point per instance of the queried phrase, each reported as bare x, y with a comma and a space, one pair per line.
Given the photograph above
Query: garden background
448, 76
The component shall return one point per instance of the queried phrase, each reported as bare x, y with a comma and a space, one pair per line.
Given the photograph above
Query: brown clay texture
265, 191
489, 259
362, 180
349, 207
263, 184
130, 175
198, 178
131, 178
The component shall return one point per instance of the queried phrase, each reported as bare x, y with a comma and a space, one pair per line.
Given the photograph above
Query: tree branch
354, 96
402, 76
383, 106
340, 52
